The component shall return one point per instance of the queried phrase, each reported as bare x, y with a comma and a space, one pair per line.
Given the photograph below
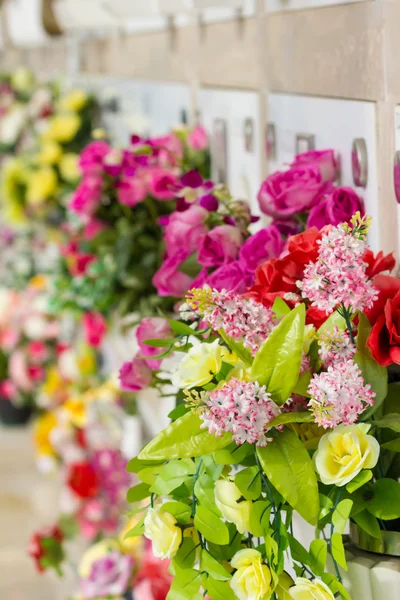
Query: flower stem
332, 532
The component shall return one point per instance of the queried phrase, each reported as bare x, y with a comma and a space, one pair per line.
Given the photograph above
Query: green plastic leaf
284, 584
391, 421
232, 454
186, 584
243, 353
341, 515
138, 492
302, 384
180, 510
214, 568
336, 587
393, 446
290, 469
181, 328
292, 417
280, 308
149, 474
136, 531
219, 590
159, 342
210, 526
135, 465
183, 438
249, 483
373, 374
178, 412
212, 468
172, 475
337, 550
259, 518
325, 506
277, 363
318, 554
334, 320
205, 494
358, 481
186, 555
368, 523
385, 501
298, 552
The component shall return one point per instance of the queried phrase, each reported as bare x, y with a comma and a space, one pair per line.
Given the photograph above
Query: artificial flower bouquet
114, 238
36, 181
290, 406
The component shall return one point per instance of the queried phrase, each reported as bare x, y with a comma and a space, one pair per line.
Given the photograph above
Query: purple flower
109, 576
112, 477
263, 245
209, 202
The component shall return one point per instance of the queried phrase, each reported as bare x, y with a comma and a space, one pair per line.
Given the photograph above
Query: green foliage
383, 499
249, 483
318, 556
292, 417
243, 353
341, 515
138, 492
259, 518
391, 421
172, 475
289, 467
211, 526
337, 549
368, 523
213, 567
358, 481
181, 511
277, 363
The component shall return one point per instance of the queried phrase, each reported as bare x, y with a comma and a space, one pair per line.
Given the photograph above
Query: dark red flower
378, 263
82, 479
387, 287
384, 339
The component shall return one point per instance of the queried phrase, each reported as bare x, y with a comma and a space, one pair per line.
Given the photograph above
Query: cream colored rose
252, 580
200, 365
161, 528
310, 590
227, 495
344, 452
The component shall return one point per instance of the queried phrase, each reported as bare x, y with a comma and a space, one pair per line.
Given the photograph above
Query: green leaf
290, 469
204, 492
136, 531
232, 454
298, 552
178, 412
209, 525
373, 374
243, 353
341, 515
249, 483
181, 328
368, 523
325, 506
391, 421
385, 501
337, 550
159, 342
335, 586
277, 363
302, 384
292, 417
138, 492
149, 474
135, 465
259, 518
183, 438
358, 481
334, 320
181, 511
213, 567
318, 554
185, 585
172, 475
219, 590
186, 555
280, 308
393, 446
212, 468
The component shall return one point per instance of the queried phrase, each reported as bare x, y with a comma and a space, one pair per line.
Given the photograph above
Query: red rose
378, 263
316, 317
82, 479
384, 339
387, 287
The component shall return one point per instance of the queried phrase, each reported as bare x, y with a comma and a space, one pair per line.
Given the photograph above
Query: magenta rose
135, 375
185, 230
95, 327
152, 328
93, 228
337, 207
92, 157
285, 193
198, 139
168, 280
162, 184
219, 246
131, 191
325, 160
232, 277
266, 243
87, 197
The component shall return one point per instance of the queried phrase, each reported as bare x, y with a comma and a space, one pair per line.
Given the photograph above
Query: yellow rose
94, 553
23, 80
161, 528
75, 101
43, 427
62, 128
310, 590
227, 495
252, 580
49, 154
284, 584
69, 167
344, 452
42, 184
200, 365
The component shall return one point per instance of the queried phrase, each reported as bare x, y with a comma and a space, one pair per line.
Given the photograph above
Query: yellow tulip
252, 580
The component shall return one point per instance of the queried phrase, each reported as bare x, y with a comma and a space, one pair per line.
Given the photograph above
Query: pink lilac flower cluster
109, 576
242, 319
339, 395
243, 408
335, 345
338, 278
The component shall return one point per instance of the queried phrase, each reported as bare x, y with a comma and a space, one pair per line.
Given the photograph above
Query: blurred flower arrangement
289, 405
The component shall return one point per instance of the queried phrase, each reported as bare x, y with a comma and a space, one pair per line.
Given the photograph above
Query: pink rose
198, 139
185, 230
19, 372
337, 207
152, 328
95, 327
131, 191
231, 277
169, 148
87, 197
92, 157
266, 243
8, 389
135, 375
168, 280
325, 160
220, 246
93, 228
288, 192
37, 351
163, 184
